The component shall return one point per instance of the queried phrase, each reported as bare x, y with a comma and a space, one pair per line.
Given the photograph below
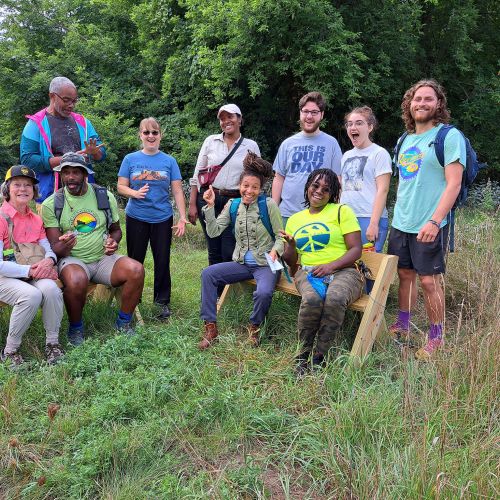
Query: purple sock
436, 332
404, 319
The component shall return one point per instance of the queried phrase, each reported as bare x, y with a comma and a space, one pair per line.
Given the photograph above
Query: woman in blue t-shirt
147, 177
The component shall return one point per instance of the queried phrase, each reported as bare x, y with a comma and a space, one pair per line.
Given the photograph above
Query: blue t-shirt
421, 177
297, 157
158, 171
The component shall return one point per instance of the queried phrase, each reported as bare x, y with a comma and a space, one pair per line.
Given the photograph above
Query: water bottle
8, 254
369, 247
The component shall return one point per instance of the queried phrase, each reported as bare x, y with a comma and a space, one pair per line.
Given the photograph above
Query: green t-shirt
80, 213
319, 237
421, 177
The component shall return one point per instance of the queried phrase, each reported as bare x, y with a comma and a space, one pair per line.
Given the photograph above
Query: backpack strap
397, 149
10, 224
59, 205
264, 215
101, 194
233, 211
438, 143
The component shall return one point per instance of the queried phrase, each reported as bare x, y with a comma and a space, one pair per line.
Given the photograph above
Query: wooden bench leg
232, 291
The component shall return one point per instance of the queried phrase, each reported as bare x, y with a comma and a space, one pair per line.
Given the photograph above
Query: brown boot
209, 335
253, 334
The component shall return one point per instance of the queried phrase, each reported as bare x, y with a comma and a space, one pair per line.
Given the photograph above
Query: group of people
324, 208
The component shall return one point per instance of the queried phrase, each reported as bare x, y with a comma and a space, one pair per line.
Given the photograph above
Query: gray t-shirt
64, 136
360, 168
297, 157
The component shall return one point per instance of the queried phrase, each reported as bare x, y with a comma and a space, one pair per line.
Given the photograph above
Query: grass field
152, 417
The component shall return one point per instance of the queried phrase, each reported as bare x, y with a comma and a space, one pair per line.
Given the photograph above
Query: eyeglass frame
151, 132
66, 100
357, 123
314, 113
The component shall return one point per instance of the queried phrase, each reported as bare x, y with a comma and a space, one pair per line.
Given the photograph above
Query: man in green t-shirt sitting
86, 247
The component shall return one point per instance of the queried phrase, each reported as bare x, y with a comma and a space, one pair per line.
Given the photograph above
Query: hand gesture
209, 196
91, 148
110, 245
68, 240
289, 239
180, 227
140, 193
43, 269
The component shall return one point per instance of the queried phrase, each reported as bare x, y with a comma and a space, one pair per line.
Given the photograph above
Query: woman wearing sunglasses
147, 177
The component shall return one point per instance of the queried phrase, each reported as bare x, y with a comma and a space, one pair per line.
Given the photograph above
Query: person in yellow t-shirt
327, 237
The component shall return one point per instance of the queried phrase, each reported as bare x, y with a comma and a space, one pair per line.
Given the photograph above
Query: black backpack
101, 194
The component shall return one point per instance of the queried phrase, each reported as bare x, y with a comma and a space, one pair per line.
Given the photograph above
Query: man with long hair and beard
426, 194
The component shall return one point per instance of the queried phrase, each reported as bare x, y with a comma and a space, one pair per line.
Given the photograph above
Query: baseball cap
73, 160
21, 171
229, 108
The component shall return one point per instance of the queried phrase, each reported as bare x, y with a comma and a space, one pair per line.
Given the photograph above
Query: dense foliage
180, 59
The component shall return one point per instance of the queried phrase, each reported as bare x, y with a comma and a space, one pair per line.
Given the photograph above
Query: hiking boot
425, 353
253, 334
400, 334
75, 336
209, 335
164, 313
124, 327
53, 353
318, 360
14, 357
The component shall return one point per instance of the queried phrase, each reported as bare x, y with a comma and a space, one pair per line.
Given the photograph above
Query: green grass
152, 417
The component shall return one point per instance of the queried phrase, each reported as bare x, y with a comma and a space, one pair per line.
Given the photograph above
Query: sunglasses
152, 132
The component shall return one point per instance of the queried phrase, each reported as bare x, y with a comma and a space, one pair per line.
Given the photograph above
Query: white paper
274, 265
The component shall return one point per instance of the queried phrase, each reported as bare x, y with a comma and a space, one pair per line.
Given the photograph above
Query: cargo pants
324, 319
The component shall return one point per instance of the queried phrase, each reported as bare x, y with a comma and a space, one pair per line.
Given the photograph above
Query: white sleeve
10, 269
382, 163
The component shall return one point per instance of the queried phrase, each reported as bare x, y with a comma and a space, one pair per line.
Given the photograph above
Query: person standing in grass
147, 177
426, 194
327, 237
253, 242
365, 176
229, 147
300, 154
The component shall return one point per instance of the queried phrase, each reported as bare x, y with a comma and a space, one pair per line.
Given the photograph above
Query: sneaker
124, 327
75, 336
53, 353
425, 353
164, 313
15, 358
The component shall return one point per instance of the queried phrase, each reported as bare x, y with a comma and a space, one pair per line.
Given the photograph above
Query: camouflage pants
324, 319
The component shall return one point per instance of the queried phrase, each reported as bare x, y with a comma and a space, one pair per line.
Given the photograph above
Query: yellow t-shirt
319, 237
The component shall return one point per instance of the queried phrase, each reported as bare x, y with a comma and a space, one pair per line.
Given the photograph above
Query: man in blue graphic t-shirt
302, 153
426, 194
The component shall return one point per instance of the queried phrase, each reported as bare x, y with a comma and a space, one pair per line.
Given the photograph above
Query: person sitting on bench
256, 222
327, 237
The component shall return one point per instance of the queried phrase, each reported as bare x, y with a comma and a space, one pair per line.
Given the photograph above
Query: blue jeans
383, 228
226, 273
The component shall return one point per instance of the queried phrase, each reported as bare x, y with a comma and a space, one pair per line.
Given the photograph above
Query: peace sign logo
312, 237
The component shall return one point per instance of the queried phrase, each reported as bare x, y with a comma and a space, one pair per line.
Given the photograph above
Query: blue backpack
472, 167
263, 216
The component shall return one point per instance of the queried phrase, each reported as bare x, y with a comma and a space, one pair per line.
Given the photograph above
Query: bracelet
53, 260
432, 221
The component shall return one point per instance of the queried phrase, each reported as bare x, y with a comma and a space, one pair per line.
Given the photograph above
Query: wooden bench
103, 293
372, 306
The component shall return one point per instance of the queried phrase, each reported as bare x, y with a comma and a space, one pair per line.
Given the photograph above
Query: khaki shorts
97, 272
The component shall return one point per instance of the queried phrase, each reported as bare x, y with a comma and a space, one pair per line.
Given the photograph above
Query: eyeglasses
152, 132
66, 100
306, 112
357, 123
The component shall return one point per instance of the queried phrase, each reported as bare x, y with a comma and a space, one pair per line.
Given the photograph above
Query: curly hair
369, 116
442, 112
255, 166
331, 179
